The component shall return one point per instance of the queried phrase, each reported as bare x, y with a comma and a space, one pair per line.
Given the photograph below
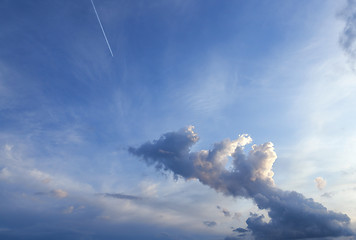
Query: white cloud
320, 183
262, 158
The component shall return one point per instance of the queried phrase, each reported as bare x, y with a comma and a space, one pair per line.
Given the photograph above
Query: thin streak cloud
102, 28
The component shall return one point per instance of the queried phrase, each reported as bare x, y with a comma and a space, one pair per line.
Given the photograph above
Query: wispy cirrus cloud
120, 196
54, 199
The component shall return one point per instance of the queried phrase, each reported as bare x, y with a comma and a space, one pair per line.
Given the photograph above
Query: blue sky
279, 71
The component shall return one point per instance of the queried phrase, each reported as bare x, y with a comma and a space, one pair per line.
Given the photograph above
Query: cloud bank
292, 216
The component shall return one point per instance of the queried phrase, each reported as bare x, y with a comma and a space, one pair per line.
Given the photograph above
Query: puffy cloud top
320, 183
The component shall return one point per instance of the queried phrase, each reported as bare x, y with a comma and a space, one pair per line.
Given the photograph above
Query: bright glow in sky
99, 145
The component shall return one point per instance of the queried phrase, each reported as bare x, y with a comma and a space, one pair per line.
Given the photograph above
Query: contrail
102, 29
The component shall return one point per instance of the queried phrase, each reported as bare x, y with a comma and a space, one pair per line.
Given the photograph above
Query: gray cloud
348, 36
240, 230
58, 193
226, 213
170, 152
120, 196
209, 223
292, 215
327, 195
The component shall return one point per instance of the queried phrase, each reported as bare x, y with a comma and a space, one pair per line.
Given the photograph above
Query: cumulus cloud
294, 216
348, 36
320, 183
291, 214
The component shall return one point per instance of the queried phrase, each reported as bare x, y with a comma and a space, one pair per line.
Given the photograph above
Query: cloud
121, 196
225, 211
320, 183
170, 152
59, 193
291, 214
25, 194
327, 195
148, 189
348, 36
237, 215
209, 223
240, 230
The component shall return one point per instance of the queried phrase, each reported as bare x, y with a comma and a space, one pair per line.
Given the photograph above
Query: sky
217, 120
